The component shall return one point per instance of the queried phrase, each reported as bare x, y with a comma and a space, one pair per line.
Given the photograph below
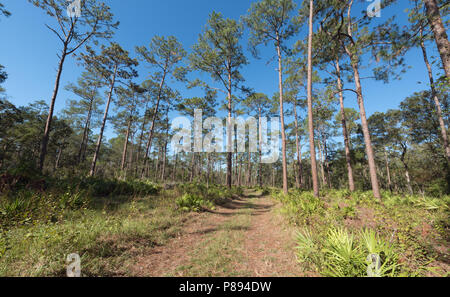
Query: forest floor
250, 235
244, 237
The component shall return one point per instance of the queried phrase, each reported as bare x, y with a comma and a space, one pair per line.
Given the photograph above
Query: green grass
106, 239
218, 254
339, 230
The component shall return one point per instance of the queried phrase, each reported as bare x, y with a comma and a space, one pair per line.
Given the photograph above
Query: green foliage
191, 202
106, 238
344, 257
23, 201
300, 206
340, 253
345, 234
96, 21
271, 21
164, 53
218, 51
102, 187
197, 197
374, 245
307, 250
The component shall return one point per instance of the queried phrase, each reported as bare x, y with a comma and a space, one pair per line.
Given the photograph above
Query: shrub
374, 245
300, 205
22, 202
197, 196
307, 250
191, 202
342, 254
344, 258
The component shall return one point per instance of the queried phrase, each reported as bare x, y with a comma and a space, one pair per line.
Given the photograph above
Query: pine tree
113, 64
95, 21
272, 21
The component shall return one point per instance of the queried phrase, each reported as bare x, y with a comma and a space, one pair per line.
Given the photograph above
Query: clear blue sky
28, 49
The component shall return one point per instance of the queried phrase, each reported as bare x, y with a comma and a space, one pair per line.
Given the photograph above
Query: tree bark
365, 128
405, 165
58, 158
102, 129
152, 128
354, 61
440, 35
327, 164
131, 153
249, 177
283, 131
260, 151
51, 110
175, 168
141, 139
239, 173
85, 133
322, 170
310, 107
163, 171
388, 171
299, 151
229, 137
348, 157
191, 179
125, 145
208, 170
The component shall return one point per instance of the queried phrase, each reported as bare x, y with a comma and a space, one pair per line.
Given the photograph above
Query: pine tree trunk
208, 170
102, 129
240, 173
58, 158
249, 177
152, 128
436, 101
294, 169
175, 168
405, 165
354, 61
388, 172
440, 35
348, 158
163, 171
131, 153
367, 139
48, 124
229, 137
312, 149
283, 131
273, 178
191, 179
125, 146
327, 164
322, 170
141, 139
299, 175
85, 133
260, 151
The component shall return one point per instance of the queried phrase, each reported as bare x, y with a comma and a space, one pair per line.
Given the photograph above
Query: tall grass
353, 234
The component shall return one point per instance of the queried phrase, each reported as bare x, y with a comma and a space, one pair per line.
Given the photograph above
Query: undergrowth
197, 197
353, 234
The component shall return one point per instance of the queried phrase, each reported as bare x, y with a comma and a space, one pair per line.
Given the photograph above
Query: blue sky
28, 49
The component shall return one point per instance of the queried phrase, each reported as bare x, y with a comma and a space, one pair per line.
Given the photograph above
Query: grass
340, 230
107, 222
217, 255
111, 223
106, 238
